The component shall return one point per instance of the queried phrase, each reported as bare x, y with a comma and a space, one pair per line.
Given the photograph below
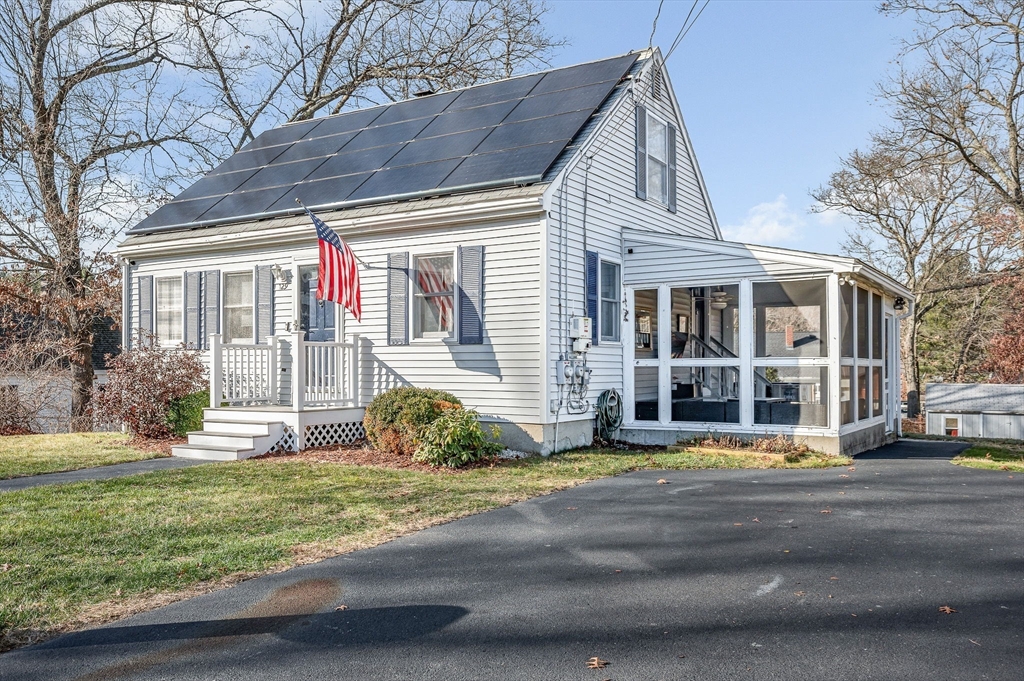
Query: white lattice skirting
334, 434
289, 441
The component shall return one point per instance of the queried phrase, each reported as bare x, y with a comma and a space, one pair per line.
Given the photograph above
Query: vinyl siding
500, 377
611, 206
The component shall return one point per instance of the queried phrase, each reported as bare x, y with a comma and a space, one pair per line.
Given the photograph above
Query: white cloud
772, 222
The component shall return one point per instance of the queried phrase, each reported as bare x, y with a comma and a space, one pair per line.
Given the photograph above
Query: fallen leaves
852, 468
570, 508
738, 524
844, 475
340, 608
833, 579
662, 481
596, 663
756, 520
799, 593
946, 609
827, 510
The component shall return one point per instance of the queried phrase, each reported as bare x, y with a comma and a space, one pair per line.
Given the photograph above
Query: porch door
317, 316
888, 374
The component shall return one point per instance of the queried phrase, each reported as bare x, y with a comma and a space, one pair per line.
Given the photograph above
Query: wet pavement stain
285, 606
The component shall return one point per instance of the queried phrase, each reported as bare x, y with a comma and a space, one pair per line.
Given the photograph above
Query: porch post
353, 368
664, 312
746, 354
272, 370
835, 388
298, 370
216, 372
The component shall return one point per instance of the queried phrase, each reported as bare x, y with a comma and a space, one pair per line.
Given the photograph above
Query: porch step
210, 453
227, 440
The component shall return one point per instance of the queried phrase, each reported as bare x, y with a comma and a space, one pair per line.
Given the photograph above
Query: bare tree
964, 86
107, 105
291, 60
916, 214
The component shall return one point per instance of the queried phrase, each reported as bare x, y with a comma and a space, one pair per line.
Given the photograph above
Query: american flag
338, 278
432, 281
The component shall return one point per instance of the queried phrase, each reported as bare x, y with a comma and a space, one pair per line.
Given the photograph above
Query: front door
317, 316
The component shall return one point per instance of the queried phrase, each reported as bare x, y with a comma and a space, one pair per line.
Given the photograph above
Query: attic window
657, 160
656, 84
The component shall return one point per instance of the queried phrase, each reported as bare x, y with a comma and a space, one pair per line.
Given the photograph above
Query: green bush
185, 414
455, 439
396, 418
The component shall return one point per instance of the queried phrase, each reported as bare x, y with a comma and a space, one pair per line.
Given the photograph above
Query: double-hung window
238, 312
610, 301
657, 160
168, 311
434, 296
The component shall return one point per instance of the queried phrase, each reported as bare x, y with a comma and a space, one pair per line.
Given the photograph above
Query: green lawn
82, 553
22, 455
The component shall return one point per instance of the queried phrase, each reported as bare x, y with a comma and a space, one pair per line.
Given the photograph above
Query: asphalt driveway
731, 575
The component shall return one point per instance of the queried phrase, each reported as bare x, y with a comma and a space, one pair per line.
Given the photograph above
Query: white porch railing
243, 373
324, 374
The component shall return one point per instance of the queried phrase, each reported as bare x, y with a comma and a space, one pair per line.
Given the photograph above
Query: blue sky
773, 94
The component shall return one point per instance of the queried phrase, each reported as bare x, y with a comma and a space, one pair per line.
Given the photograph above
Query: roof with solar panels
503, 134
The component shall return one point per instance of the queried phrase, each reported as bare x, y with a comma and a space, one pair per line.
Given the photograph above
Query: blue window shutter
193, 309
398, 298
641, 151
211, 301
264, 326
593, 263
471, 287
671, 168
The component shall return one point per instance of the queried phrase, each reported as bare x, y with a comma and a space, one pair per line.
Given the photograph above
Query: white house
492, 221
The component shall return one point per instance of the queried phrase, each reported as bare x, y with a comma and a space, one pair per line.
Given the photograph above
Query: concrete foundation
539, 438
847, 444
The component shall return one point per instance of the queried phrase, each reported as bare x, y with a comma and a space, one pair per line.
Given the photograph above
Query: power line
654, 27
684, 29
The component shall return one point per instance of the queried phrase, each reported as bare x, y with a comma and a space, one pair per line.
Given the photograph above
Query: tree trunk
81, 378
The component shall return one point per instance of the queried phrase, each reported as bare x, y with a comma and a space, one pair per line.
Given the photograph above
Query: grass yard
94, 551
22, 455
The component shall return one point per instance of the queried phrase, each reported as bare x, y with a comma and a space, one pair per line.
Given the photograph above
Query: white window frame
661, 158
414, 297
601, 261
169, 342
959, 425
224, 306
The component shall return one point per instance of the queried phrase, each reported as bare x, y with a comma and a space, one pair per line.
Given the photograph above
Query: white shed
989, 410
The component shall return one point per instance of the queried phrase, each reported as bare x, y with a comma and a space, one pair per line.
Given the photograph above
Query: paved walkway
751, 575
117, 470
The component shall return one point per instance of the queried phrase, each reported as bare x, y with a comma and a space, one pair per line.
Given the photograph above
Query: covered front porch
753, 341
286, 393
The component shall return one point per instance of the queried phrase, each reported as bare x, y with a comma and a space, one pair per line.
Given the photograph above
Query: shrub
455, 439
142, 383
185, 414
396, 418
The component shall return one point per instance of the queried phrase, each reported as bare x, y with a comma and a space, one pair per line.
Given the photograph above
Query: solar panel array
501, 131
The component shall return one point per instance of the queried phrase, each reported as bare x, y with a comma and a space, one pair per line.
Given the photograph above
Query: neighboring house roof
509, 132
974, 398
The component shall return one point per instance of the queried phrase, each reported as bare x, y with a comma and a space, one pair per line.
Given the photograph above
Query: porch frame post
835, 389
272, 370
664, 311
298, 370
353, 369
746, 353
216, 371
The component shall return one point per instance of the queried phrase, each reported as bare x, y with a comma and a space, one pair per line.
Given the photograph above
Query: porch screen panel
846, 394
862, 323
876, 391
862, 393
791, 319
876, 326
706, 394
794, 396
645, 393
645, 322
846, 322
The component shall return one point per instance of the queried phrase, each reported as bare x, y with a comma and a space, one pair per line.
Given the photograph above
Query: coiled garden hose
608, 413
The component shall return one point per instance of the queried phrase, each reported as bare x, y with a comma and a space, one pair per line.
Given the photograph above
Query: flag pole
358, 259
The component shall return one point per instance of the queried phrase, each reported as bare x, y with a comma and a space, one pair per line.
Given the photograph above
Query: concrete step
211, 453
255, 428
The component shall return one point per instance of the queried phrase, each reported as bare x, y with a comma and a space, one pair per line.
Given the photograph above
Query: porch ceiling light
718, 300
899, 304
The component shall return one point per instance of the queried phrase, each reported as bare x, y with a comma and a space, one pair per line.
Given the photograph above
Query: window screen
238, 317
434, 295
610, 301
169, 311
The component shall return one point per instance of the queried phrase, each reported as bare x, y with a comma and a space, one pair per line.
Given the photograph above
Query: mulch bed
362, 454
159, 445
